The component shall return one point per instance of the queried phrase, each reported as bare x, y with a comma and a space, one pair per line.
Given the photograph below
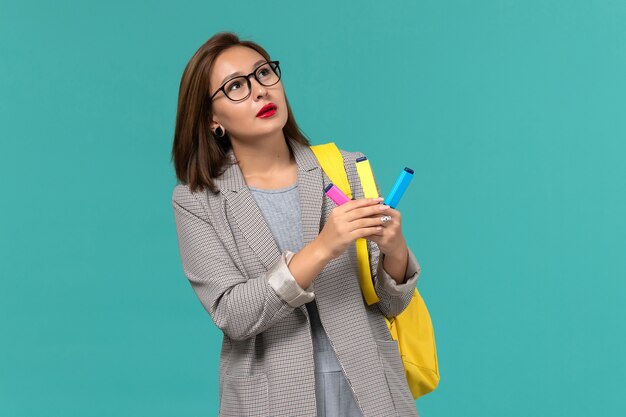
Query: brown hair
198, 155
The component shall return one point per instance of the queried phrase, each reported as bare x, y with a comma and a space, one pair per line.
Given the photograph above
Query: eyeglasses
239, 88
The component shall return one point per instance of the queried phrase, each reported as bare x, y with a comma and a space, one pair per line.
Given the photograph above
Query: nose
257, 89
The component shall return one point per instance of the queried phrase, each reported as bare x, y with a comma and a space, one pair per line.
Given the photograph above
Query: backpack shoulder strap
331, 161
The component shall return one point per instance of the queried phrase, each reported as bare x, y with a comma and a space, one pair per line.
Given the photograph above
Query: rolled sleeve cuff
390, 286
279, 277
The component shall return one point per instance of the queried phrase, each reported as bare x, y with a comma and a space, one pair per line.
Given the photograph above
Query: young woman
272, 259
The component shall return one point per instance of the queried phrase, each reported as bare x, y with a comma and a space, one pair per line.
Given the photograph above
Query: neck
263, 157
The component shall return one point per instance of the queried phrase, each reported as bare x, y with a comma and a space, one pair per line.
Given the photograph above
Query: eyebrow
260, 61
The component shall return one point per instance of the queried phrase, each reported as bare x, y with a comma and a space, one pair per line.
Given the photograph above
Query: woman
272, 259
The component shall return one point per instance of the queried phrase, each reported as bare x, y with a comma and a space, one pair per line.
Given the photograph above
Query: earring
219, 132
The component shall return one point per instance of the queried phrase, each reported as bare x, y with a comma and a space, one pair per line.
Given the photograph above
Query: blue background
510, 112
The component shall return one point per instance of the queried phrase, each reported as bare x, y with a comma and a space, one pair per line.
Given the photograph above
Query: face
239, 119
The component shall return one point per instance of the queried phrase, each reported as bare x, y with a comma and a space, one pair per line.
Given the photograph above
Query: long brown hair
198, 155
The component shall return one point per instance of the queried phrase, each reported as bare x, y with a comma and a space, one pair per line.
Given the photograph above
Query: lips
268, 108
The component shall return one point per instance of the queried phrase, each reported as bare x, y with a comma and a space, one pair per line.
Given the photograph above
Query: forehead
234, 59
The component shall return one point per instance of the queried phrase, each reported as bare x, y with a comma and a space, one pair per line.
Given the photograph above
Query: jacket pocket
244, 396
396, 379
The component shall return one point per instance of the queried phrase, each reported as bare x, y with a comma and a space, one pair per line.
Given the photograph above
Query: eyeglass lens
238, 88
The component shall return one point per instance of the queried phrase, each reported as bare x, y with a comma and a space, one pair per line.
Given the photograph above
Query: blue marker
402, 183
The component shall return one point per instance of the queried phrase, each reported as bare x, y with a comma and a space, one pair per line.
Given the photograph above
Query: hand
392, 246
350, 221
390, 240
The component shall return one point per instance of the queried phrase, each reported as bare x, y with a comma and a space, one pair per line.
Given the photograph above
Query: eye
231, 86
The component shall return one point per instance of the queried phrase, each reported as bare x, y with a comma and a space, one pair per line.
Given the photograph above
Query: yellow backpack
413, 328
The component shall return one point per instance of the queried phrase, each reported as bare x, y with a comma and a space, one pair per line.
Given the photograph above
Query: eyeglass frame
247, 77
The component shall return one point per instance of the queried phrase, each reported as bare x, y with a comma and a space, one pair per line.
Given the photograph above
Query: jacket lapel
248, 216
311, 190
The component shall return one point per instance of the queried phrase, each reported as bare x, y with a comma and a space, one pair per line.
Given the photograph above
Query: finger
375, 237
367, 231
378, 234
395, 215
359, 203
368, 211
386, 220
366, 222
390, 211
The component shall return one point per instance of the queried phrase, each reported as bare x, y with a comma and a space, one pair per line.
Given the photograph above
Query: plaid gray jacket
239, 275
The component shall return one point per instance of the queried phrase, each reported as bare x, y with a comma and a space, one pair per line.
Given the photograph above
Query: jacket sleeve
241, 306
394, 297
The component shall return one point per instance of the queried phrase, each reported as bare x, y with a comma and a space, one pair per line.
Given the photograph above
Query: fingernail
383, 207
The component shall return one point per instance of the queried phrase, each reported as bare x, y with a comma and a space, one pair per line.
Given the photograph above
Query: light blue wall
512, 114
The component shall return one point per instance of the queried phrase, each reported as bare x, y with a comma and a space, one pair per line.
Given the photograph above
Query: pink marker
335, 194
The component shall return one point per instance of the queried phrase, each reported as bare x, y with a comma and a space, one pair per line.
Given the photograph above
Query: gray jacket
239, 275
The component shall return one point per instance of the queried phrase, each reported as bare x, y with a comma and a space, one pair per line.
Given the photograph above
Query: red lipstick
266, 111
